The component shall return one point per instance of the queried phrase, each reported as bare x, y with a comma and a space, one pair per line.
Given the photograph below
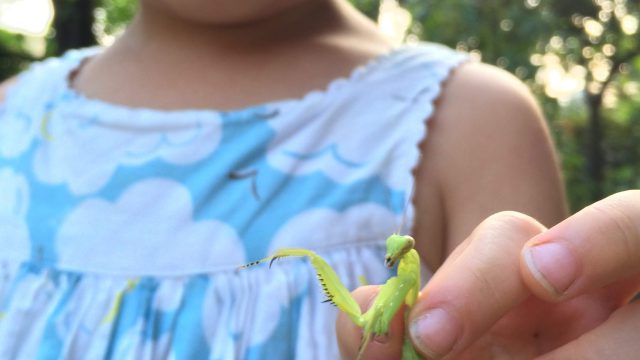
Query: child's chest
153, 196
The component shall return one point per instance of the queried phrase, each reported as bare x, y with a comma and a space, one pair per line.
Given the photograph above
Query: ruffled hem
250, 314
81, 103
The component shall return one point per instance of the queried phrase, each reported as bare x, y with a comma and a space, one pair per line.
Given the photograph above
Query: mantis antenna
407, 206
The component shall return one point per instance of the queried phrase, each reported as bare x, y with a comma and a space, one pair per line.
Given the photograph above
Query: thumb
349, 334
596, 247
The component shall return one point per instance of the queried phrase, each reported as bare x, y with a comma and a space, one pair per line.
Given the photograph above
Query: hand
596, 251
516, 290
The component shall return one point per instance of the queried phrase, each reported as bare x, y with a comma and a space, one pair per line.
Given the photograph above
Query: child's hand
478, 306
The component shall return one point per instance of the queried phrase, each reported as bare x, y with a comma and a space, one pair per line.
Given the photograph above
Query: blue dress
121, 229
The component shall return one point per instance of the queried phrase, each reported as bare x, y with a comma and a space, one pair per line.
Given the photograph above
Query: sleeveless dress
122, 229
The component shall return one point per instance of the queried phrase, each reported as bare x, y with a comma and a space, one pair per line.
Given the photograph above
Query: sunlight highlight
394, 21
28, 17
629, 24
559, 83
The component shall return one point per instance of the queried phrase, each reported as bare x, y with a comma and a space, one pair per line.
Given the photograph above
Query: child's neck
154, 26
166, 63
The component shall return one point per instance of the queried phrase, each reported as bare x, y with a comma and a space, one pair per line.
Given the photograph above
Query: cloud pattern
359, 224
155, 242
348, 151
159, 229
14, 203
17, 131
84, 152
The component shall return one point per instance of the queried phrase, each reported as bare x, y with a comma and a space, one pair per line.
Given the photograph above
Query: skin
5, 86
506, 304
329, 40
602, 260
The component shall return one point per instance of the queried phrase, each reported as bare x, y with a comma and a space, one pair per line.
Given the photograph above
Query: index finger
595, 247
474, 288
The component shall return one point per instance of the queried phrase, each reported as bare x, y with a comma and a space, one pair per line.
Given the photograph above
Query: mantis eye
389, 262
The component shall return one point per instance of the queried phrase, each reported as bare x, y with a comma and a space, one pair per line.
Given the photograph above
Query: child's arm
488, 150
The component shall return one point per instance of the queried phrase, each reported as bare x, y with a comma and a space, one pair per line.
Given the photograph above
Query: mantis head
397, 247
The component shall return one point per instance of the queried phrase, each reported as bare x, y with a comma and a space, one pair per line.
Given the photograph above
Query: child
136, 179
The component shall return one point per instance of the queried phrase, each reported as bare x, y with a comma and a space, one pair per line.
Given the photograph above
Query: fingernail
553, 265
381, 339
435, 332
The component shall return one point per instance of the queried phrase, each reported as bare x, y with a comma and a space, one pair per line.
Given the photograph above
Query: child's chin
224, 12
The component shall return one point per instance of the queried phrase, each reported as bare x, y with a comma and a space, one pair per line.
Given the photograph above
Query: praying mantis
402, 288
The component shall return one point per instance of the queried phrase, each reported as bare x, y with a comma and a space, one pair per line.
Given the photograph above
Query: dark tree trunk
595, 153
73, 24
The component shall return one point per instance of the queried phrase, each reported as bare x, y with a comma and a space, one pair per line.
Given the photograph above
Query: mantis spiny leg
333, 288
378, 318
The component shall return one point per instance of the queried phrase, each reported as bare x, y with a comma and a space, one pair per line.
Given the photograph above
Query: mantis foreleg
333, 288
378, 318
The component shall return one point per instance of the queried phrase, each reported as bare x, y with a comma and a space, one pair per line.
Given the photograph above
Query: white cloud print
84, 153
250, 304
344, 142
14, 202
149, 230
132, 345
16, 133
323, 228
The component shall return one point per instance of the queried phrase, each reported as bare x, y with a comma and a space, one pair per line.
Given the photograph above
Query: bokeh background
581, 58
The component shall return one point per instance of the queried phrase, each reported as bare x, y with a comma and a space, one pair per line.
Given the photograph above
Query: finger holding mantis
349, 335
399, 290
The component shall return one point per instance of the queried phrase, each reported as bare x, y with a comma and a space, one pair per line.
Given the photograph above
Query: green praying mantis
402, 288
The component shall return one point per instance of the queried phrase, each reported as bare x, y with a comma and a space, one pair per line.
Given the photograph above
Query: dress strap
43, 83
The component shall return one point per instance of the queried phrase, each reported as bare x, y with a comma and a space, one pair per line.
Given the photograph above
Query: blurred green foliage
596, 129
115, 14
13, 54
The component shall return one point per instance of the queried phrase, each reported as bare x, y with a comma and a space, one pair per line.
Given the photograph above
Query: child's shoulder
487, 99
472, 98
4, 87
475, 80
484, 116
421, 60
